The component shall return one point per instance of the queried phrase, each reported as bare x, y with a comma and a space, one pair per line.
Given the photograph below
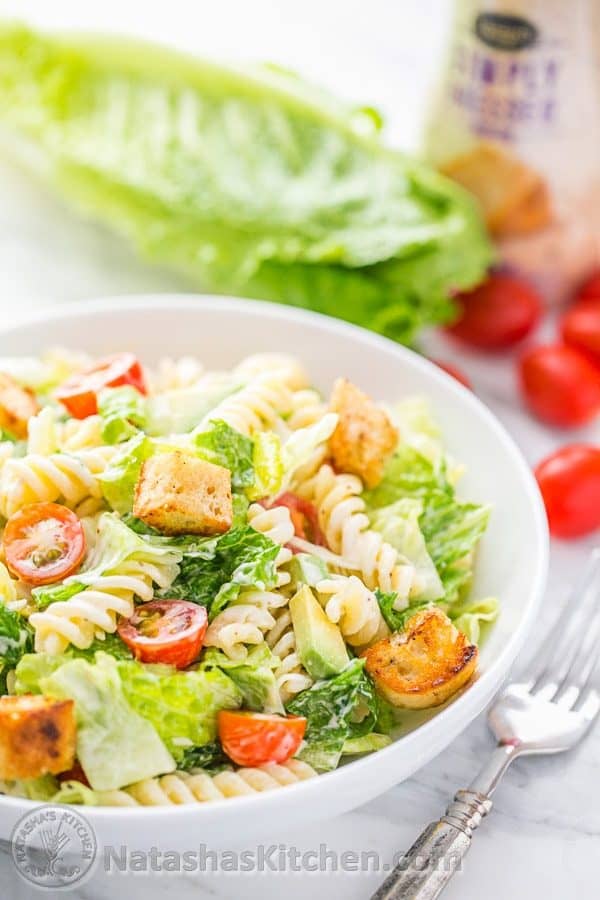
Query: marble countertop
540, 840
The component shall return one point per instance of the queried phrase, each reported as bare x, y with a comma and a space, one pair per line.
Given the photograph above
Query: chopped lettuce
268, 466
209, 757
398, 524
302, 443
451, 528
182, 706
245, 179
396, 619
366, 744
119, 478
336, 710
15, 641
123, 411
214, 570
115, 543
222, 445
179, 411
254, 676
470, 616
115, 745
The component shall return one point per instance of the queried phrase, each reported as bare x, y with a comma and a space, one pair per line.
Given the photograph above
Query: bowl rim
455, 716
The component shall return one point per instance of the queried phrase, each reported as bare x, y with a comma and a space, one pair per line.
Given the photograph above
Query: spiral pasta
47, 435
352, 606
200, 787
343, 520
36, 478
307, 409
290, 676
174, 374
238, 625
276, 524
94, 610
258, 406
285, 367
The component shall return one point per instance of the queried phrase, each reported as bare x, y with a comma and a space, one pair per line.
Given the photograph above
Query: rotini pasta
307, 409
258, 406
236, 627
352, 606
291, 676
47, 435
276, 524
286, 368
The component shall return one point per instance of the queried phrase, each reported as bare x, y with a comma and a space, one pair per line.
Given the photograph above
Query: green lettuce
115, 745
16, 639
120, 477
123, 411
396, 619
180, 410
451, 528
268, 466
254, 676
337, 710
209, 757
182, 706
247, 180
222, 445
115, 543
469, 617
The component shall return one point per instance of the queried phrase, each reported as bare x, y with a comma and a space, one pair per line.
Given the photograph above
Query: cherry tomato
166, 631
43, 543
560, 385
304, 516
496, 314
455, 372
569, 480
79, 394
255, 739
580, 328
590, 289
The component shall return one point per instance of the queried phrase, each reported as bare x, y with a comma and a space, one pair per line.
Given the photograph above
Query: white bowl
511, 564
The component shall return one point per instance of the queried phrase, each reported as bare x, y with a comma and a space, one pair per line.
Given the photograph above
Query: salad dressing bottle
516, 120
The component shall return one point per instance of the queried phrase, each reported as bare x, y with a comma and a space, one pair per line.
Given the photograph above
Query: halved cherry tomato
497, 314
560, 385
166, 631
304, 516
43, 543
255, 739
569, 480
79, 394
590, 289
580, 327
455, 372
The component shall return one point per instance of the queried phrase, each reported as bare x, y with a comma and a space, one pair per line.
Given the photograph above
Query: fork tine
583, 666
562, 641
590, 707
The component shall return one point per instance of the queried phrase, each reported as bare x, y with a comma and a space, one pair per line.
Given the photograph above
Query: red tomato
497, 314
569, 480
580, 328
79, 394
455, 372
560, 385
590, 289
304, 516
43, 543
166, 631
255, 739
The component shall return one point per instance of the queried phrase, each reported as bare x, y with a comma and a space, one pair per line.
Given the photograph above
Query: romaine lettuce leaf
470, 616
336, 710
16, 639
124, 413
182, 706
451, 528
268, 465
396, 619
254, 676
115, 745
209, 757
224, 446
246, 180
119, 478
179, 411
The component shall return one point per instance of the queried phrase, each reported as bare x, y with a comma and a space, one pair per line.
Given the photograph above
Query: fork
548, 710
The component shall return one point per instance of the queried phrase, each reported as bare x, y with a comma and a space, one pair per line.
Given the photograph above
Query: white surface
512, 558
540, 840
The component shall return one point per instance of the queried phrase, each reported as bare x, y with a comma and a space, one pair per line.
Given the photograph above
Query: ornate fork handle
437, 853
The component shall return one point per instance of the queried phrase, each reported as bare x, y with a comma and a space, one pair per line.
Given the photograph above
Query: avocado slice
319, 642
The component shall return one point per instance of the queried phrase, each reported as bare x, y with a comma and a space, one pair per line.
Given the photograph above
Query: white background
540, 840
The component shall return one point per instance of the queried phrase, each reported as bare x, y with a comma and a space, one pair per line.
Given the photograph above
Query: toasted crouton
424, 664
17, 406
364, 436
180, 494
37, 736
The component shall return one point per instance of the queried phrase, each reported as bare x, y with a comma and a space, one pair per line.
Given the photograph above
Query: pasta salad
215, 583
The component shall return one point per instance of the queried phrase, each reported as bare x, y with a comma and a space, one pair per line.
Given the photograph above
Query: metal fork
548, 710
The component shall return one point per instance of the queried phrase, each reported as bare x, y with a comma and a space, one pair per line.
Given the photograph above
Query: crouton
364, 436
17, 406
37, 736
180, 494
423, 665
